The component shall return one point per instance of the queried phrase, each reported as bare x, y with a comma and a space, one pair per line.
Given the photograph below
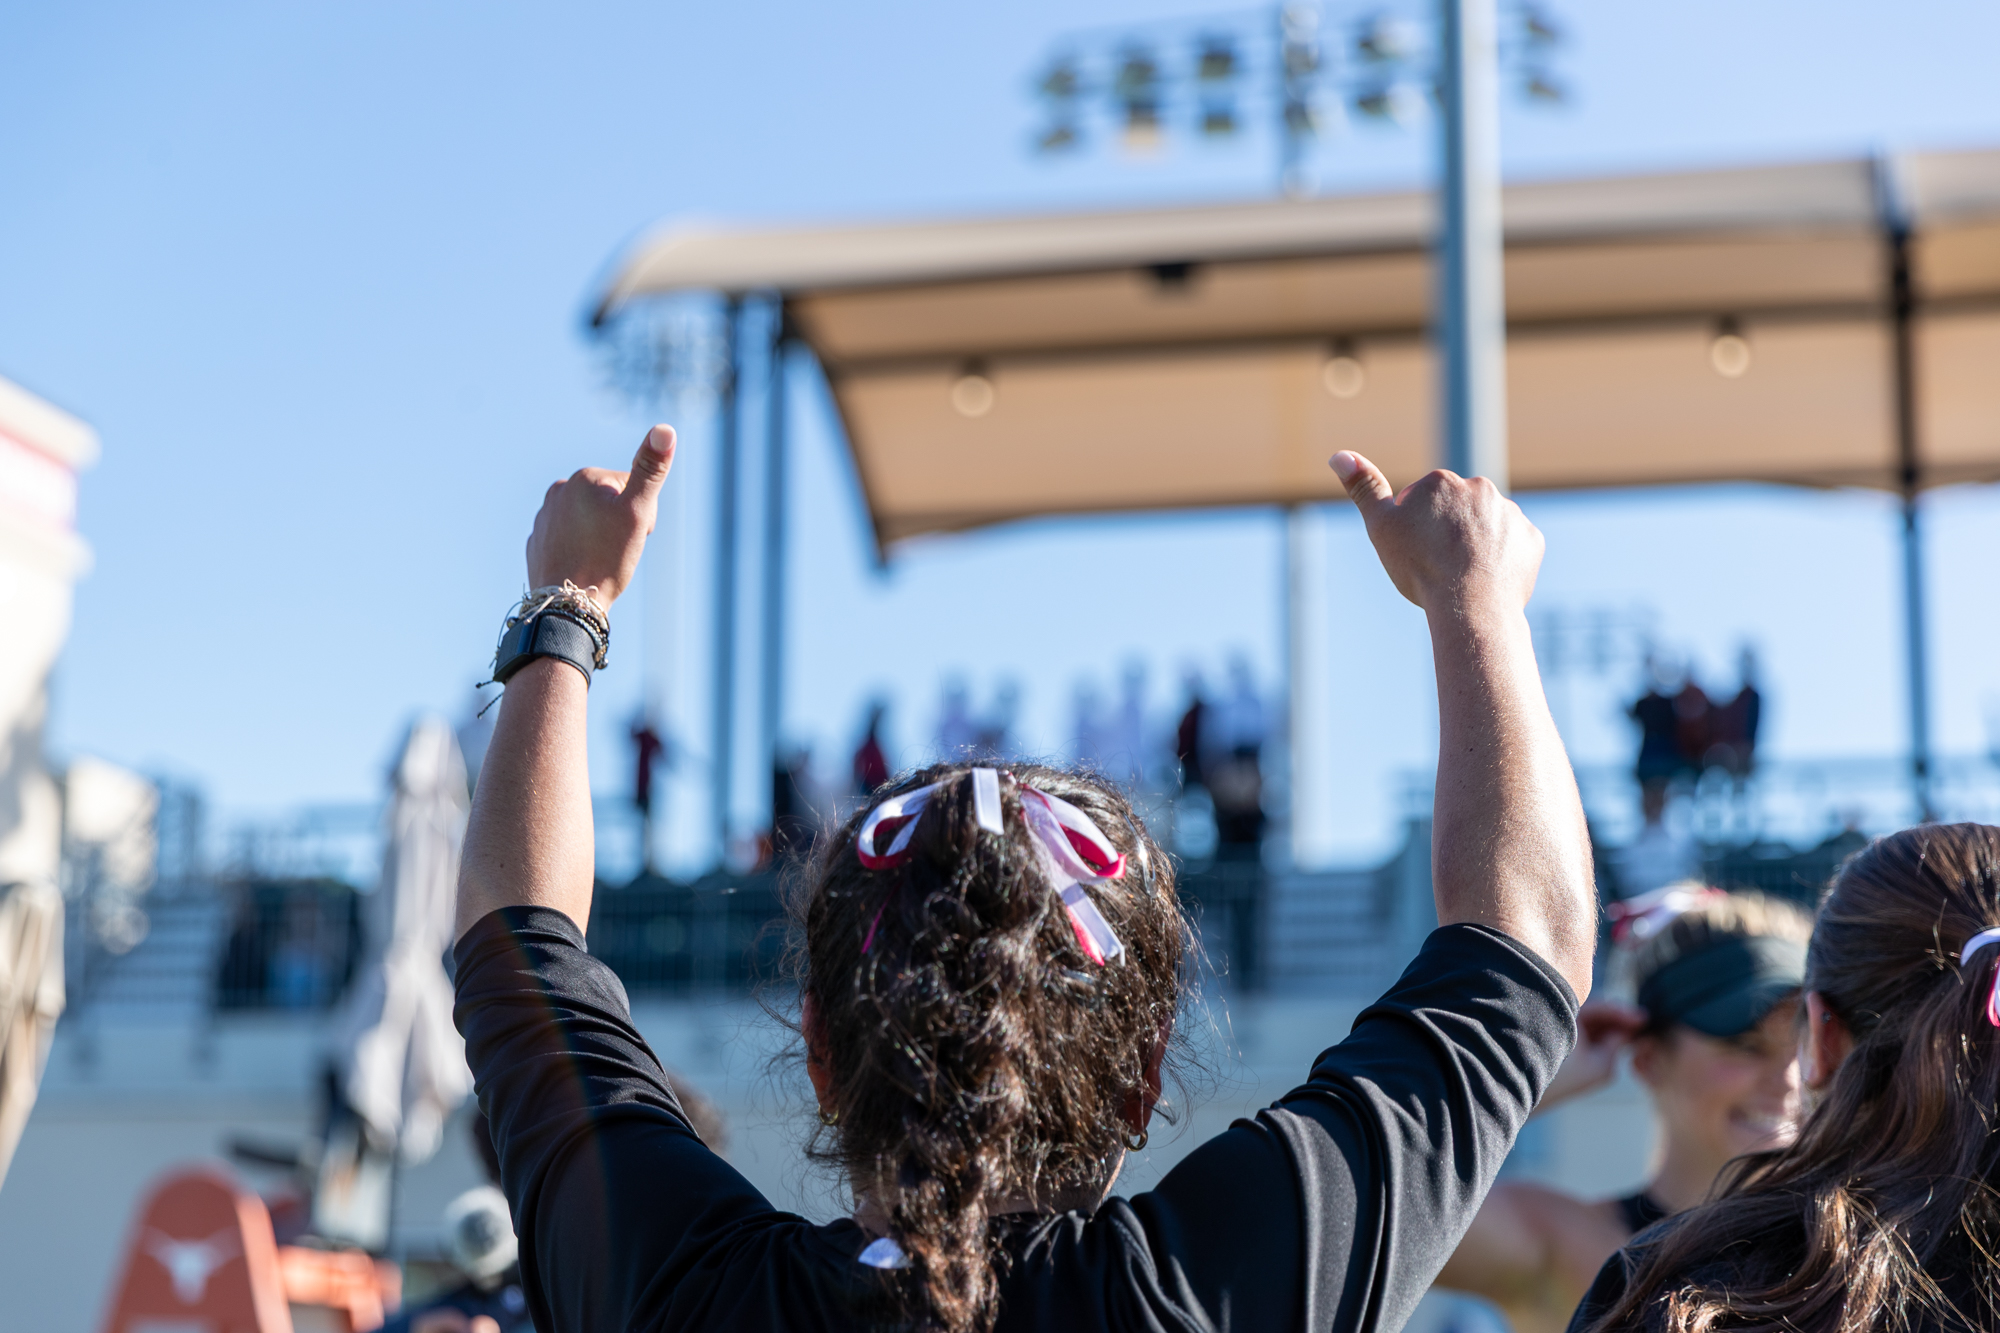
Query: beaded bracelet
572, 604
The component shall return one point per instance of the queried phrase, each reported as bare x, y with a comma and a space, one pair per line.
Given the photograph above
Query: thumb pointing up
650, 465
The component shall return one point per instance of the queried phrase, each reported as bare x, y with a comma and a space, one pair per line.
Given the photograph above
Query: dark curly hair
978, 1058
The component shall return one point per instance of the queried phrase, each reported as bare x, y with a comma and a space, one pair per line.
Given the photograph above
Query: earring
1135, 1142
829, 1117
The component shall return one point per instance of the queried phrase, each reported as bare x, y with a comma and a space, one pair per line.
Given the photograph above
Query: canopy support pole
1472, 311
724, 734
772, 700
1910, 478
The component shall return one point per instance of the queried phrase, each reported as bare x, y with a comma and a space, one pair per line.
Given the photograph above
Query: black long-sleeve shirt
1332, 1209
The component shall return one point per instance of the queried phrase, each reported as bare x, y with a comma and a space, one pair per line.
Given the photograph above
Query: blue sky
316, 272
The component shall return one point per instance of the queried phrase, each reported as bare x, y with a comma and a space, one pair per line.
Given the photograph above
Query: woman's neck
1685, 1176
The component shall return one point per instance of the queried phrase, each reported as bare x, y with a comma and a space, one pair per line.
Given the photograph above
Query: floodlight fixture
1138, 76
1061, 83
1217, 61
1385, 39
1058, 138
1343, 374
1296, 71
972, 392
1393, 104
1729, 352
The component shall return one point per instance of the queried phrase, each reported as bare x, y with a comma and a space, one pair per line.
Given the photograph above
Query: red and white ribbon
1072, 849
899, 815
1075, 851
1635, 920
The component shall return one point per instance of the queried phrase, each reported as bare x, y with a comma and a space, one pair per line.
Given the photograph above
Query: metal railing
723, 932
291, 944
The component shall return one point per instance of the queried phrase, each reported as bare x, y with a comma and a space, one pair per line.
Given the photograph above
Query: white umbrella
31, 996
402, 1063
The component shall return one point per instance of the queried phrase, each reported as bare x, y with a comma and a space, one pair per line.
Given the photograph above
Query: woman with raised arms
992, 966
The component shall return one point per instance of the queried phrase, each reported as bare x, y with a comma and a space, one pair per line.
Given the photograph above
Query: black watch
545, 634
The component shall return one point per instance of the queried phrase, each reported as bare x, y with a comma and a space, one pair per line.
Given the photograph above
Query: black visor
1727, 986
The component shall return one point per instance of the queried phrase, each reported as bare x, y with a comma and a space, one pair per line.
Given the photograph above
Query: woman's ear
1825, 1043
818, 1068
1648, 1052
1137, 1112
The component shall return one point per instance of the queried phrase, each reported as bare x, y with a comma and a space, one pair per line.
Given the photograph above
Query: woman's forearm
530, 841
1509, 847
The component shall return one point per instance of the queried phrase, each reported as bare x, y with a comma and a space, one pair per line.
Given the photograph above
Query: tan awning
1178, 358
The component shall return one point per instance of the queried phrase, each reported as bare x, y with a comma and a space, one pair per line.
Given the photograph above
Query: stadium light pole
1471, 300
723, 735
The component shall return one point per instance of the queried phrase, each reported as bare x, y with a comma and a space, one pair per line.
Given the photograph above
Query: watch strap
544, 635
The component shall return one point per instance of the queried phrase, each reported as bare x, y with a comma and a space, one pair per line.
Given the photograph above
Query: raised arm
530, 841
1508, 845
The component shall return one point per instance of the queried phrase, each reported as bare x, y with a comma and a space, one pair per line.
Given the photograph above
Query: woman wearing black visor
1716, 979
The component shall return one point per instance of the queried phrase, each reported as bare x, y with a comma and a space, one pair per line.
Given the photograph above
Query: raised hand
1508, 845
1604, 1029
1446, 540
593, 526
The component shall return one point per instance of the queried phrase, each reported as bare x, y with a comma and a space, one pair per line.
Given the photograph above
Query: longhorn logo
190, 1263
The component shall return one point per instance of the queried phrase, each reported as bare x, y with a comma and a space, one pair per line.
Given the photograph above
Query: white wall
122, 1105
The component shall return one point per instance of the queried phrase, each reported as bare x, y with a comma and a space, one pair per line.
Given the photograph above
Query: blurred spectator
1693, 724
1191, 736
1243, 720
956, 735
647, 750
1091, 735
871, 763
1659, 856
1733, 725
994, 736
1235, 778
1125, 753
299, 972
1659, 730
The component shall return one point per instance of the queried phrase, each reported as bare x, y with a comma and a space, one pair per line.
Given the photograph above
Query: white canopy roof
1176, 357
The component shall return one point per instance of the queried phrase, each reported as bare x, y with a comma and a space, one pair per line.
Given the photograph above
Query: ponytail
984, 1039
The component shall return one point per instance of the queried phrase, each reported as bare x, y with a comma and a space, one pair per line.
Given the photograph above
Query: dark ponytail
1883, 1215
979, 1058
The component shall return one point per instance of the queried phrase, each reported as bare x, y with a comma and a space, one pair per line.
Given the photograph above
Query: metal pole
1472, 311
1902, 296
772, 701
724, 734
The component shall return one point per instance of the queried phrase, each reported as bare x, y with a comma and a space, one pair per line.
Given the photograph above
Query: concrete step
171, 972
1326, 934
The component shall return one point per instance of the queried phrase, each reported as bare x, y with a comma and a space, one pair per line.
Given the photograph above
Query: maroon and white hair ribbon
899, 813
1073, 851
1973, 946
1635, 920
